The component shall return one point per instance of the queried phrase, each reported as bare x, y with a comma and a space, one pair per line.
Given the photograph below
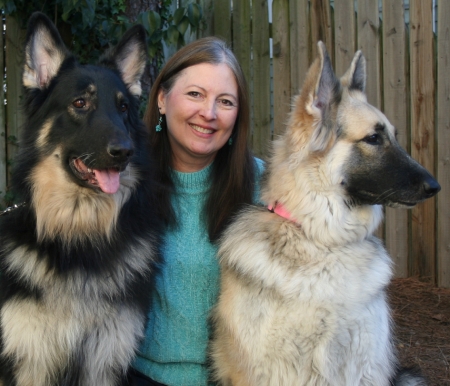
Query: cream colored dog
303, 297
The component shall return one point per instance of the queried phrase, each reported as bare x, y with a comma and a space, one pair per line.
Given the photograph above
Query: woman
198, 116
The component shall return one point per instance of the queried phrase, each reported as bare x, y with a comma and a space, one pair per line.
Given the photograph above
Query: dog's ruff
303, 302
77, 259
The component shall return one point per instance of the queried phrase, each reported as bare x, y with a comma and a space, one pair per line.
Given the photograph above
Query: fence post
3, 158
395, 106
281, 65
299, 35
443, 144
261, 78
15, 39
222, 20
422, 134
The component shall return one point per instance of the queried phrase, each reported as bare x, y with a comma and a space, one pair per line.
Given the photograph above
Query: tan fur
303, 301
69, 211
43, 135
70, 322
50, 61
127, 63
71, 310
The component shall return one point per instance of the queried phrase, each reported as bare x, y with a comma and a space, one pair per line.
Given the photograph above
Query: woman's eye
194, 94
79, 103
226, 102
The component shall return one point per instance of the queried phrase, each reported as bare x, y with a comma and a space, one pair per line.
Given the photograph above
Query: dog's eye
373, 139
123, 107
79, 103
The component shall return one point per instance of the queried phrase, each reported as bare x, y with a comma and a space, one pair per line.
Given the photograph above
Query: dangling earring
230, 141
158, 126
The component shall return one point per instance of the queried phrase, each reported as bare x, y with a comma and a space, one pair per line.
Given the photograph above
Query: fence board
222, 20
368, 31
395, 106
2, 125
344, 35
299, 43
443, 149
320, 14
208, 15
15, 39
422, 132
281, 64
368, 26
261, 78
242, 45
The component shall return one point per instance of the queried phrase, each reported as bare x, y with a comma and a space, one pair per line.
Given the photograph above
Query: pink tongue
108, 180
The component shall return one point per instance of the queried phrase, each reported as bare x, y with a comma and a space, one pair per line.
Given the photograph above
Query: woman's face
201, 110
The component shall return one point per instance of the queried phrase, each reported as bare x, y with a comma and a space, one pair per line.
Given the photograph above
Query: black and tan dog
303, 297
78, 255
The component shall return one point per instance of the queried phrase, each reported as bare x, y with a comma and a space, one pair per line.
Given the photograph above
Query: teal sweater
174, 349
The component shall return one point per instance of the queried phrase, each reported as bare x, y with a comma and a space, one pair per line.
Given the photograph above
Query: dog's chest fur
76, 319
308, 303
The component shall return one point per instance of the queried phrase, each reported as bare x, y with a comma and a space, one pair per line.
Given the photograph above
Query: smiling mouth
202, 129
108, 179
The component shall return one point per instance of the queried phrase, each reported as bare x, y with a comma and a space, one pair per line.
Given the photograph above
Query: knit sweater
174, 349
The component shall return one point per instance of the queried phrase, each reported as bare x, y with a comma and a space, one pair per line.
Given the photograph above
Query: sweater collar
197, 179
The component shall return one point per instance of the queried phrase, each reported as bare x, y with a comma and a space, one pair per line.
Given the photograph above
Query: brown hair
233, 168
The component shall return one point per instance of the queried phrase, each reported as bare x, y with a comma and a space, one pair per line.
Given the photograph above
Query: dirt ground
422, 316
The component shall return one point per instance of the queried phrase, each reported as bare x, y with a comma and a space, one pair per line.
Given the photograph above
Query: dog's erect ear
44, 52
355, 77
320, 90
129, 57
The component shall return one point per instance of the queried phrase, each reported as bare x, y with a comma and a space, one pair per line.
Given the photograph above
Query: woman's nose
209, 110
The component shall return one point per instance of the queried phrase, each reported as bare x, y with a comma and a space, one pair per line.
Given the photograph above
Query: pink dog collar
280, 210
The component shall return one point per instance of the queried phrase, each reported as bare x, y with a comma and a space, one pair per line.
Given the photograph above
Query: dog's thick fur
77, 258
303, 299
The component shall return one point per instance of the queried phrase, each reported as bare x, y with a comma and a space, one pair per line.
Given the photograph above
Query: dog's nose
431, 187
120, 151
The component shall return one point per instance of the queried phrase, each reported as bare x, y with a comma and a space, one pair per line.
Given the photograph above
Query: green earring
230, 141
158, 126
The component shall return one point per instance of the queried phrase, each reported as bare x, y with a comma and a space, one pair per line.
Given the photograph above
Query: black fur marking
371, 179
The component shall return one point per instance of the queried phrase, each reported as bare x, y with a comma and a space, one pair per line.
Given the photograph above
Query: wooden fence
11, 118
407, 47
408, 62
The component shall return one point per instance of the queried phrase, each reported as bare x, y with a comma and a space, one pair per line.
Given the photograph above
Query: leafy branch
89, 26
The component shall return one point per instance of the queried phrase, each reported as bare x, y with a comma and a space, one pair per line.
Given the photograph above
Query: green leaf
65, 16
171, 35
105, 26
152, 50
156, 37
88, 15
179, 13
8, 6
154, 20
194, 14
180, 42
183, 25
67, 9
143, 19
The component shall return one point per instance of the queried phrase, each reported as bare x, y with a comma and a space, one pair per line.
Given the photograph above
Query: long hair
233, 170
